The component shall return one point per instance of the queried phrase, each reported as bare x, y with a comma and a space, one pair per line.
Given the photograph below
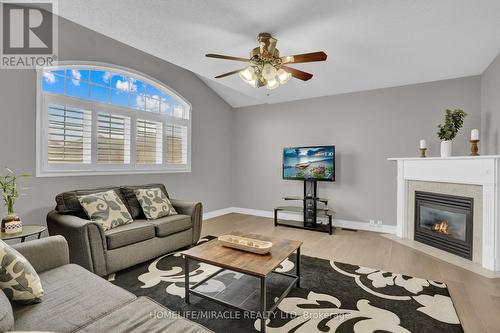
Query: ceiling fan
267, 68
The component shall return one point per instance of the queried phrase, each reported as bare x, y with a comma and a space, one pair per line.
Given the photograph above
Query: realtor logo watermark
28, 34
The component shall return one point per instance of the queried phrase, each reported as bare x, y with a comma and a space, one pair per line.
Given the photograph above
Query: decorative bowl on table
246, 244
11, 224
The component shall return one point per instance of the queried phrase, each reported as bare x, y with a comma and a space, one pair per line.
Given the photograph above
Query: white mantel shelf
480, 157
475, 170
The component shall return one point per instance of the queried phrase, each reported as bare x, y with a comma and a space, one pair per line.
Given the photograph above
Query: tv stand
312, 208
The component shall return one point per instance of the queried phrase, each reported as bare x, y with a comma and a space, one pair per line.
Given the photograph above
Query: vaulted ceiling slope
370, 44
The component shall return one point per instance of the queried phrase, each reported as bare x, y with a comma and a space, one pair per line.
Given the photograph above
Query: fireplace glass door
445, 222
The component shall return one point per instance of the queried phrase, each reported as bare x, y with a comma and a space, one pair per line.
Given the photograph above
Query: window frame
44, 99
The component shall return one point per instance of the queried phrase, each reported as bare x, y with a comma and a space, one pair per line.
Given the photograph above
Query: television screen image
316, 163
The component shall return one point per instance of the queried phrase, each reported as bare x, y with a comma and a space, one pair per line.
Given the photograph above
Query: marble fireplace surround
477, 177
462, 190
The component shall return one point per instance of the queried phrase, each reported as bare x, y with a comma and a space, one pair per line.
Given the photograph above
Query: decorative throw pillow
18, 279
106, 208
154, 203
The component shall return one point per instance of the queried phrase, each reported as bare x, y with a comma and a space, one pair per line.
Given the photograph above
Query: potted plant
453, 121
10, 193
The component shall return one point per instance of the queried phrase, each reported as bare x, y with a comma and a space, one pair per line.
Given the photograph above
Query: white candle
423, 144
474, 134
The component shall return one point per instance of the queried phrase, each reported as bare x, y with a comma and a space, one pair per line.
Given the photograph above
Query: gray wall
210, 139
490, 103
367, 128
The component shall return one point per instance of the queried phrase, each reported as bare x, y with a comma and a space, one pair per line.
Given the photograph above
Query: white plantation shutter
69, 135
176, 144
149, 145
113, 139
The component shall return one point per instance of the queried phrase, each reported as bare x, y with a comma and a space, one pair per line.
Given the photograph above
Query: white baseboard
216, 213
356, 225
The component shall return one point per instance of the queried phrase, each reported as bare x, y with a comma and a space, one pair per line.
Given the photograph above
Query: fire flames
441, 227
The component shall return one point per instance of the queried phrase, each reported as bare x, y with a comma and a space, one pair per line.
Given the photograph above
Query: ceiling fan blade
220, 56
304, 76
229, 73
305, 57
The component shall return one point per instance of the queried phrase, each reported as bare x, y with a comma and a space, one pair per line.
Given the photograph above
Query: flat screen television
309, 163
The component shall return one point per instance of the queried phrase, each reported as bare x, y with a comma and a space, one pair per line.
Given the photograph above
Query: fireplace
445, 222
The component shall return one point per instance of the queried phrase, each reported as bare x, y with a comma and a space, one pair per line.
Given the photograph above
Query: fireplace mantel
474, 170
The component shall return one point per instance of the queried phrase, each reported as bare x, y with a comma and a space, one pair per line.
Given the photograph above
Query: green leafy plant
453, 122
10, 189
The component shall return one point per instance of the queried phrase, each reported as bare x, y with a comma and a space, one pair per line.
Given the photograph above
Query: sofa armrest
46, 253
193, 209
87, 244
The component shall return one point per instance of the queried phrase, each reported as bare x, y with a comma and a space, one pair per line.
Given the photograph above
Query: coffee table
256, 265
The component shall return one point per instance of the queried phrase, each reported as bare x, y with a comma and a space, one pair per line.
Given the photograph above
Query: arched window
104, 119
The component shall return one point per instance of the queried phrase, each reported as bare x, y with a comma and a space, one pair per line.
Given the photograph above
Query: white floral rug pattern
334, 297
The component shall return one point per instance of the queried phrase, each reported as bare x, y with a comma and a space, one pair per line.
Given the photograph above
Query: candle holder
422, 152
474, 149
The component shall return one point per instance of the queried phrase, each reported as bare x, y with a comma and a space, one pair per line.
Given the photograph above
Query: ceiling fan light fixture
283, 76
266, 68
253, 82
247, 74
272, 84
268, 71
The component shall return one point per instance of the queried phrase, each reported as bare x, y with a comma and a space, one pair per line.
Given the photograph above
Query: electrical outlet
372, 223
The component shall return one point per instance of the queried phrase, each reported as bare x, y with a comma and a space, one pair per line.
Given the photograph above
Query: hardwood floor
476, 298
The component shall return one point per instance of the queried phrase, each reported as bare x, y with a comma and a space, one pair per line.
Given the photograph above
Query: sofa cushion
172, 224
143, 315
132, 202
18, 279
127, 234
68, 203
6, 315
154, 203
106, 208
73, 298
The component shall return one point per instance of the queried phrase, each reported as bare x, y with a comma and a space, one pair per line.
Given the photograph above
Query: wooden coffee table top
212, 252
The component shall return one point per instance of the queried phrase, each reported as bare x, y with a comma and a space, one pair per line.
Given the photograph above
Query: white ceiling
370, 44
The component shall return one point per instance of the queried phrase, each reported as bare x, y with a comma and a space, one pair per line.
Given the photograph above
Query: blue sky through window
107, 87
53, 83
119, 97
99, 93
101, 77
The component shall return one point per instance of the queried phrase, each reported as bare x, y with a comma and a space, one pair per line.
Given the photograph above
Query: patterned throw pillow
154, 203
18, 279
106, 208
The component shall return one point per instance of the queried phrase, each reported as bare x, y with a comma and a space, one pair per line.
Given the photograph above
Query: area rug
333, 297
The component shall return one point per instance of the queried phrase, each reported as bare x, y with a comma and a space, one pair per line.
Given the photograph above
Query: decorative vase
11, 224
446, 148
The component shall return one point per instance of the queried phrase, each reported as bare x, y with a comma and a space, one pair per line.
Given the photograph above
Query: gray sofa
106, 252
76, 300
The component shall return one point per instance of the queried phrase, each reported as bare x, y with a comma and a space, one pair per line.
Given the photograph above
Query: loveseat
105, 252
76, 300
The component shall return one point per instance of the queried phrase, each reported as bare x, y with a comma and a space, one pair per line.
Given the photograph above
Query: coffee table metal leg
263, 290
186, 279
298, 267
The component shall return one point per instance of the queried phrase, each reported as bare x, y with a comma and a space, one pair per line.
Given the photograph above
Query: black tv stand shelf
322, 200
312, 208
